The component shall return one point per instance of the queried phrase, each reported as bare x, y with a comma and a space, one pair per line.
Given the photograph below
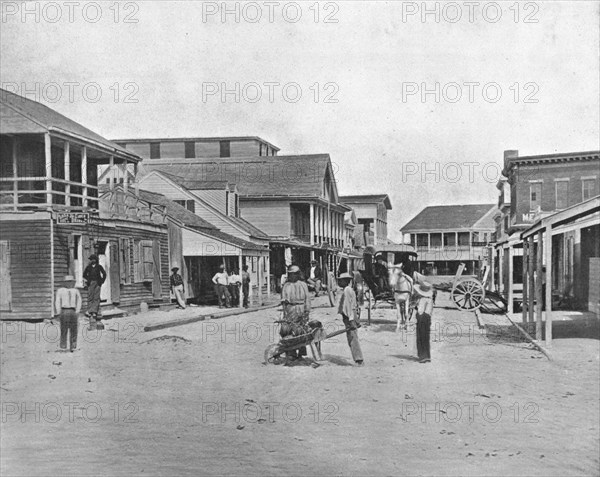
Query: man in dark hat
177, 287
95, 275
424, 292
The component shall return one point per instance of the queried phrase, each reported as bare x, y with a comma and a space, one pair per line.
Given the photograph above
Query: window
155, 150
260, 149
190, 150
237, 205
562, 194
75, 259
225, 148
188, 204
146, 261
227, 203
535, 195
124, 261
588, 186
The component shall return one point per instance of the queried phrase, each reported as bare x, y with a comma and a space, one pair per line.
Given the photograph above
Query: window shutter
71, 265
122, 271
136, 262
131, 265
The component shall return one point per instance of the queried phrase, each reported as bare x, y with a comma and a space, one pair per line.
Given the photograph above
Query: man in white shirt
221, 280
68, 305
314, 277
233, 283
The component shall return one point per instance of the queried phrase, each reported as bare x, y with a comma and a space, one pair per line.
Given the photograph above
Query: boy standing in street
424, 291
347, 308
68, 305
94, 274
177, 287
245, 285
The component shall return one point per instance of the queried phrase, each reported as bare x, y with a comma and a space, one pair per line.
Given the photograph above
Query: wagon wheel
494, 303
273, 355
468, 294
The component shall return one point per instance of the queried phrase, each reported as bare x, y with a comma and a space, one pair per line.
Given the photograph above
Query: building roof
367, 199
452, 217
176, 211
257, 176
195, 139
192, 184
511, 160
19, 115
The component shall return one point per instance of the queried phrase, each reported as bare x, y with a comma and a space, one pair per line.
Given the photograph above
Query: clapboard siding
214, 198
208, 149
131, 294
157, 184
244, 148
29, 243
272, 217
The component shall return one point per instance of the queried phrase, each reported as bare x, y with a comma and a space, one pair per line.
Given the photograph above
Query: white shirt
220, 278
233, 279
312, 272
68, 298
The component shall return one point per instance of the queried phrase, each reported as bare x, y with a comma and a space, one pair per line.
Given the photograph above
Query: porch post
67, 173
84, 175
268, 259
500, 269
538, 286
428, 241
111, 175
125, 188
510, 279
260, 280
48, 158
312, 227
531, 286
548, 285
525, 304
240, 264
15, 175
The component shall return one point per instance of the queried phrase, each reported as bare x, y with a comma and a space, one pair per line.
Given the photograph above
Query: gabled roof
451, 217
176, 211
20, 115
242, 224
192, 184
367, 199
257, 176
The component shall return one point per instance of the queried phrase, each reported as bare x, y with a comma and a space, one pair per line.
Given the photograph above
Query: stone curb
193, 319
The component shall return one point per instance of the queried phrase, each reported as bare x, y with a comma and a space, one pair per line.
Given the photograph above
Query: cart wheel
273, 355
468, 294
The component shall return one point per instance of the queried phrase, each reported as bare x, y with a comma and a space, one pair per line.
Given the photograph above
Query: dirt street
198, 400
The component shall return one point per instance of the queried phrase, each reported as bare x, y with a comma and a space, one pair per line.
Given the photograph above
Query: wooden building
371, 214
196, 246
199, 147
532, 188
51, 218
292, 199
446, 235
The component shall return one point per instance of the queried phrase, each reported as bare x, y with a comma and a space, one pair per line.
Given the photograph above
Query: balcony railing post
48, 161
67, 172
84, 175
14, 165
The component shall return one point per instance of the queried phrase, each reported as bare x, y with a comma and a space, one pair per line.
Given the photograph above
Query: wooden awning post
312, 229
67, 173
240, 264
548, 279
84, 177
268, 259
15, 175
48, 160
111, 174
260, 280
539, 284
531, 285
525, 302
510, 280
125, 177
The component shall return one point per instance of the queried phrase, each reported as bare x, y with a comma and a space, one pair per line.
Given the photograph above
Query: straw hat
69, 278
345, 275
294, 269
424, 289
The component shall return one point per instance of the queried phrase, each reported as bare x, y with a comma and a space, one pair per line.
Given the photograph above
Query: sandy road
207, 405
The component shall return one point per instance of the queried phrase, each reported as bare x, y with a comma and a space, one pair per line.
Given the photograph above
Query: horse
402, 286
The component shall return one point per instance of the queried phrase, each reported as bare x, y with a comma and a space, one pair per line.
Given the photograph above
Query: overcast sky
360, 68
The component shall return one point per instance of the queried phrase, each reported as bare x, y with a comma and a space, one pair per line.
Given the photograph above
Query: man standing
68, 305
245, 285
347, 308
296, 308
424, 291
314, 277
221, 280
94, 274
177, 287
233, 283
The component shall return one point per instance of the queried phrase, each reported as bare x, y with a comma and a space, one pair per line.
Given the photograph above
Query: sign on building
72, 218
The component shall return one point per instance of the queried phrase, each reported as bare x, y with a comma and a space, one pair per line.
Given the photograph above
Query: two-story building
371, 215
446, 235
292, 199
533, 188
51, 219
